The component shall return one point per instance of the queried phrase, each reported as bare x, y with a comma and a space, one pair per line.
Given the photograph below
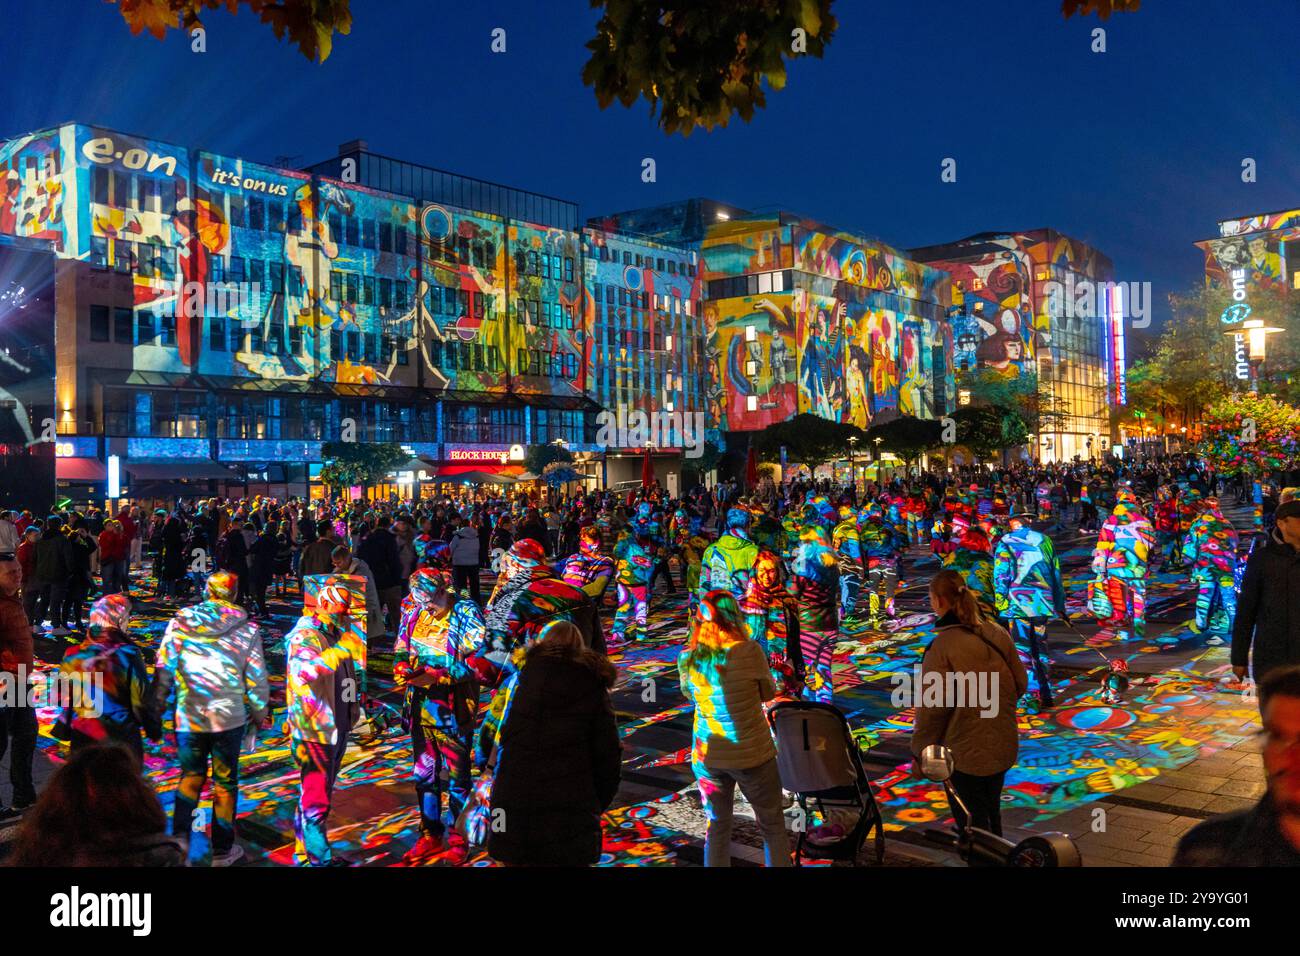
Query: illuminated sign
496, 454
1240, 357
1115, 344
81, 447
1237, 312
104, 151
114, 476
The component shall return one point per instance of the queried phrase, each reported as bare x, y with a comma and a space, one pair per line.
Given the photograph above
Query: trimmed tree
906, 436
349, 464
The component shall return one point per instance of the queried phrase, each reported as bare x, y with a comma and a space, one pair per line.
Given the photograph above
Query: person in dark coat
1267, 834
172, 563
379, 551
265, 551
558, 754
1266, 632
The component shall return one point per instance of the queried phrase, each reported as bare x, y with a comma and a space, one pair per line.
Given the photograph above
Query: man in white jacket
211, 654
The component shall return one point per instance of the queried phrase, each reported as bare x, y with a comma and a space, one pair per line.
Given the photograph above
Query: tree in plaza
349, 464
699, 62
309, 24
988, 429
538, 457
1251, 434
807, 438
1038, 408
906, 436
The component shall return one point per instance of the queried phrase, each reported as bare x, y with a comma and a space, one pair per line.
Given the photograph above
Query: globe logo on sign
1237, 312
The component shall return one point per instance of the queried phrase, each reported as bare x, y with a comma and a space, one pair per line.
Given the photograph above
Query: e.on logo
103, 151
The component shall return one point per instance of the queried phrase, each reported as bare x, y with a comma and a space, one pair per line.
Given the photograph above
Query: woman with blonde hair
971, 656
727, 677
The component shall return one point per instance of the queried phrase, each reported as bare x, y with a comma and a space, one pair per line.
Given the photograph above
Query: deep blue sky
1137, 150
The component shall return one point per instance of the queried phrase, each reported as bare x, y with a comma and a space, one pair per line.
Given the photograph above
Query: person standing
18, 727
815, 583
211, 655
113, 551
726, 677
729, 561
106, 672
1210, 550
1028, 593
431, 663
325, 657
232, 556
558, 754
465, 552
379, 552
981, 733
1266, 632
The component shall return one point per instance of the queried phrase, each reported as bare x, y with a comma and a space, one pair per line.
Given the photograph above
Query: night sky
1137, 150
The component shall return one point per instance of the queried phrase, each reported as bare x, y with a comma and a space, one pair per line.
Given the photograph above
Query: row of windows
755, 283
482, 254
462, 356
356, 289
379, 236
541, 364
547, 315
553, 266
444, 300
659, 264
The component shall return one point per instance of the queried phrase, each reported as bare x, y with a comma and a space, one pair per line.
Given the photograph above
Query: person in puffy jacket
114, 551
729, 561
558, 754
211, 657
432, 662
106, 671
726, 677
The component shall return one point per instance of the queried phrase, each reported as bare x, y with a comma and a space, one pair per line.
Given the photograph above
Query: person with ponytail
969, 653
726, 676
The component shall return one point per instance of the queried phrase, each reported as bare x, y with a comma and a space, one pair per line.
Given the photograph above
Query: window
385, 237
236, 269
336, 285
217, 333
144, 332
277, 276
568, 268
368, 290
236, 337
123, 322
256, 214
257, 272
352, 231
352, 287
399, 240
100, 180
237, 217
369, 237
168, 330
399, 297
386, 293
99, 323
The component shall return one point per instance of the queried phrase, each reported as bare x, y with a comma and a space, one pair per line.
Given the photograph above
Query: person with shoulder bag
972, 656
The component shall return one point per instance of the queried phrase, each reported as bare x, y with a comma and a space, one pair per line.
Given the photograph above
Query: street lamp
1255, 335
853, 460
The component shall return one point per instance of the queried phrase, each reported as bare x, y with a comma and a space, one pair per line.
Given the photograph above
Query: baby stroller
820, 762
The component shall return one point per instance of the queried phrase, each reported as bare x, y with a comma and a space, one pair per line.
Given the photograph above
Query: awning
80, 469
478, 473
178, 471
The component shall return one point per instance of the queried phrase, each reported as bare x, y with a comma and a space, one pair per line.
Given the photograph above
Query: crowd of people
506, 699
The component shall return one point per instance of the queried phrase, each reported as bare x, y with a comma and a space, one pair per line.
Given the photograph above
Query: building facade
1018, 307
219, 320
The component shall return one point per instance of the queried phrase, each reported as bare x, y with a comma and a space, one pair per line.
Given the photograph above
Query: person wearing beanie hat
437, 640
1119, 561
325, 655
107, 675
589, 569
848, 545
211, 658
1210, 551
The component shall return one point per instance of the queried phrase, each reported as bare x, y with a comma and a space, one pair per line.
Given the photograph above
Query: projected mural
462, 299
752, 356
548, 346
